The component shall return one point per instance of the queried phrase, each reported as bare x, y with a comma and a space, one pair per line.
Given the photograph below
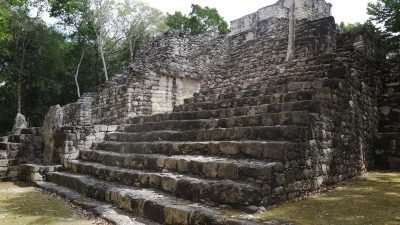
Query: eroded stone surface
52, 121
19, 123
256, 127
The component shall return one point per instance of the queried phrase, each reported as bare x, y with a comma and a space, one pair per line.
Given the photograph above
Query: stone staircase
260, 131
237, 148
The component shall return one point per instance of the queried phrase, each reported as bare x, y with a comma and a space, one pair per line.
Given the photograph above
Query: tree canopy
42, 65
348, 27
199, 20
387, 13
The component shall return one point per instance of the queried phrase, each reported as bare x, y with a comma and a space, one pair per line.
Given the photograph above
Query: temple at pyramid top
304, 9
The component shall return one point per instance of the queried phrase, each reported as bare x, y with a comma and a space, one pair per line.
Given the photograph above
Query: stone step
205, 166
10, 146
104, 210
289, 104
272, 85
4, 139
290, 92
35, 172
308, 106
152, 204
299, 118
273, 150
182, 186
272, 133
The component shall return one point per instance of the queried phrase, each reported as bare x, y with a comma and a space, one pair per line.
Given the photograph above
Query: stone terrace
198, 124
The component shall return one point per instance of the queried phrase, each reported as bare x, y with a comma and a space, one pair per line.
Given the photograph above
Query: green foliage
384, 36
387, 13
39, 58
349, 26
34, 62
5, 11
135, 24
199, 20
43, 60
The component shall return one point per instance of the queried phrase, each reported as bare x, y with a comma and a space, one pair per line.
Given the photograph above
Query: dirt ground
23, 204
371, 199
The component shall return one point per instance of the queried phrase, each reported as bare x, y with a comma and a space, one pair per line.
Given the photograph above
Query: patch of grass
372, 199
21, 204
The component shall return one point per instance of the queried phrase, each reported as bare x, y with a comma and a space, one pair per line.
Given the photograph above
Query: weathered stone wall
170, 91
314, 36
346, 83
52, 121
79, 113
346, 129
179, 54
364, 42
253, 62
171, 66
342, 82
115, 104
253, 54
304, 9
387, 143
16, 149
167, 70
70, 140
342, 118
287, 125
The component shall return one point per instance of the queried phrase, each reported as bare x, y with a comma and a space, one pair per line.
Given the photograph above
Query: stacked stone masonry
16, 149
228, 121
80, 112
304, 9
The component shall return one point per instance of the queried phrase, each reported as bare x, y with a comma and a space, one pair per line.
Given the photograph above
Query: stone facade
387, 147
69, 141
304, 9
80, 112
250, 119
16, 149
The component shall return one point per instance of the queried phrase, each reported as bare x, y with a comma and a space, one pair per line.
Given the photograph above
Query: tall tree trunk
130, 49
96, 62
19, 98
102, 57
19, 87
292, 32
77, 72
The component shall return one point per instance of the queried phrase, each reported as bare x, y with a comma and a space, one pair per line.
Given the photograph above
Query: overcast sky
348, 11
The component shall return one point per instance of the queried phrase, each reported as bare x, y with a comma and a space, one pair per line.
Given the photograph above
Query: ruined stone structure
283, 105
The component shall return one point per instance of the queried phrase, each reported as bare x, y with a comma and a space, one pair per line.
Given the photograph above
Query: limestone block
4, 163
12, 174
253, 150
175, 214
171, 163
99, 136
169, 183
3, 154
228, 148
19, 123
52, 121
210, 169
112, 128
227, 171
